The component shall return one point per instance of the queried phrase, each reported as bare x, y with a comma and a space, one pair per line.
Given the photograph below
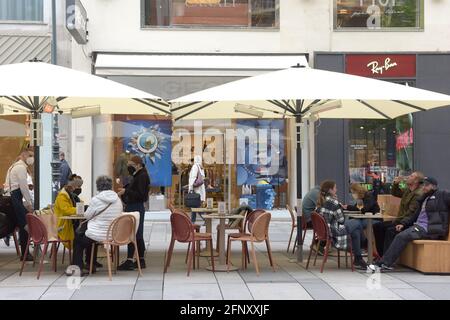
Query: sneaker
28, 258
360, 264
384, 267
7, 240
127, 265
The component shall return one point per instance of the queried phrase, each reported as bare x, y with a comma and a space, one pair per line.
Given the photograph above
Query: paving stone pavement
290, 281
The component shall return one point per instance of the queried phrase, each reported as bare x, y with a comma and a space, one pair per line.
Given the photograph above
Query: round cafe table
74, 217
369, 230
221, 245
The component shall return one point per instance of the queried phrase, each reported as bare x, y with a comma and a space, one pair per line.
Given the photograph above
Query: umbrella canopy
25, 88
303, 91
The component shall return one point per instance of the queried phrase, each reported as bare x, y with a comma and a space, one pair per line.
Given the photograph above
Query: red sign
404, 140
381, 66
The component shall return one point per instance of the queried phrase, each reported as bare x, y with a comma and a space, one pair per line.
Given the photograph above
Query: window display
212, 13
378, 14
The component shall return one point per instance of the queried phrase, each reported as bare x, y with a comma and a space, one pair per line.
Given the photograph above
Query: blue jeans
132, 207
21, 212
355, 230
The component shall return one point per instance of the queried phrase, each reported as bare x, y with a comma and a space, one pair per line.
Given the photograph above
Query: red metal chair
184, 231
38, 234
322, 233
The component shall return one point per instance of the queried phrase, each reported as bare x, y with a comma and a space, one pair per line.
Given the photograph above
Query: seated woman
359, 193
65, 206
329, 207
103, 209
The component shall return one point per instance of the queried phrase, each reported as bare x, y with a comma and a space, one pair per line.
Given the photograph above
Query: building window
379, 14
212, 13
382, 148
22, 10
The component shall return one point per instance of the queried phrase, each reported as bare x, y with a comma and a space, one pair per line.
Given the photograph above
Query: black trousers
400, 242
80, 245
384, 235
21, 212
132, 207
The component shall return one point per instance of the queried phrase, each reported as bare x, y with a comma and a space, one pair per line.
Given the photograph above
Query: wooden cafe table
369, 216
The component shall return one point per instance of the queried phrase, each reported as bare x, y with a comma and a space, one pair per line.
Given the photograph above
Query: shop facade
361, 150
244, 160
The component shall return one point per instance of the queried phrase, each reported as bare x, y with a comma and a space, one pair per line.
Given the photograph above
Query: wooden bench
427, 256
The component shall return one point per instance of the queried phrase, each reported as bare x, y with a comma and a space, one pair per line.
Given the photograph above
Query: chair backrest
292, 214
251, 217
122, 230
36, 229
320, 226
260, 228
179, 211
182, 227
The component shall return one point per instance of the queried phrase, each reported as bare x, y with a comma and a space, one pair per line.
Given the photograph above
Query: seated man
429, 222
385, 232
309, 203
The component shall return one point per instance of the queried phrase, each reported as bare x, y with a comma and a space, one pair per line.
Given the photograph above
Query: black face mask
77, 191
131, 170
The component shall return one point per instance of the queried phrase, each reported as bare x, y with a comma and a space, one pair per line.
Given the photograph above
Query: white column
82, 153
304, 134
292, 162
103, 147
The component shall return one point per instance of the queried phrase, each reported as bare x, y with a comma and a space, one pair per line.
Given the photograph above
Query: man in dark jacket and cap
430, 221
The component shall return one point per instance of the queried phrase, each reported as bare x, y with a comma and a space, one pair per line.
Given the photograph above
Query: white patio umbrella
35, 87
26, 87
303, 91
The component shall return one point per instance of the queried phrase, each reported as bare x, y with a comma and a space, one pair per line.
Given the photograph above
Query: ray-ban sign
76, 21
381, 66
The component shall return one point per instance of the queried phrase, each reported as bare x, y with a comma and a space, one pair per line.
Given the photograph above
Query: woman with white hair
103, 209
197, 181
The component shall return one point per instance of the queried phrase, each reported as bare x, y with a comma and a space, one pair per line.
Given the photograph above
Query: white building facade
150, 44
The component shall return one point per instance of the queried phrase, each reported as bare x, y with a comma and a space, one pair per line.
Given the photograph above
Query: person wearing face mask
78, 183
17, 186
134, 195
66, 206
430, 221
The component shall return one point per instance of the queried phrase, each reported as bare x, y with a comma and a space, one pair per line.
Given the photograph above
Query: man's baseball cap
430, 180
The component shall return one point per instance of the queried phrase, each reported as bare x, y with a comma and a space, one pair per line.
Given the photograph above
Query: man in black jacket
430, 221
134, 196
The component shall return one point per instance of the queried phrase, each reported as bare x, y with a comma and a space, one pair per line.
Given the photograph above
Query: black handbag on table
192, 200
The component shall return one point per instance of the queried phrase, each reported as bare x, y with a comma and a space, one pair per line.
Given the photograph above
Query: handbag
82, 228
192, 200
199, 180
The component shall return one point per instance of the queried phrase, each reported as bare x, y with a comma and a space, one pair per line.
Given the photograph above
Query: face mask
30, 161
77, 191
131, 170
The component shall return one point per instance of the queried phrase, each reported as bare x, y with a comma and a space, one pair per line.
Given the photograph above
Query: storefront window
14, 138
212, 13
380, 149
21, 10
378, 14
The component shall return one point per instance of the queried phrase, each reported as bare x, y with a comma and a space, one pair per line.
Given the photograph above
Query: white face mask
30, 161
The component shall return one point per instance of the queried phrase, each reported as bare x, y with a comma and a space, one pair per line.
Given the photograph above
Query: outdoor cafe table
74, 217
369, 217
207, 251
221, 245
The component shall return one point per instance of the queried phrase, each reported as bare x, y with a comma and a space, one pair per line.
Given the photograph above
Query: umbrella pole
298, 153
36, 116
